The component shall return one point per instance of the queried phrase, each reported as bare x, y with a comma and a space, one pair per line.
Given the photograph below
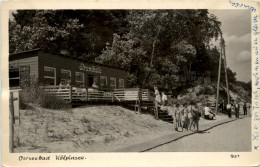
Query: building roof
63, 55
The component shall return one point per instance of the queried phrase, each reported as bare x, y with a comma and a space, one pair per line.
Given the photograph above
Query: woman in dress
157, 102
178, 116
184, 117
190, 115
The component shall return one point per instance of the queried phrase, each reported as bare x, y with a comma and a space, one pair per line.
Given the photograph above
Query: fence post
70, 87
11, 123
19, 114
87, 94
139, 99
113, 94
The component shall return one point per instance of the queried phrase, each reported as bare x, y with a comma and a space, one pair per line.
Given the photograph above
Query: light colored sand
86, 129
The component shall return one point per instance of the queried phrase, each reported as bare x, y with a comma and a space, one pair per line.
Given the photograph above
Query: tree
40, 34
161, 43
153, 46
81, 33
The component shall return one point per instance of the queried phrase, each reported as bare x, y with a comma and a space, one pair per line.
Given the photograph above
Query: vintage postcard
130, 83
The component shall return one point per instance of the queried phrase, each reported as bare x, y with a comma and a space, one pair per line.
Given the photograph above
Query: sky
236, 29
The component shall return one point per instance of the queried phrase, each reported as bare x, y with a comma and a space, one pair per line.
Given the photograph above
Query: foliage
80, 32
205, 91
246, 85
153, 46
161, 43
40, 34
31, 93
53, 102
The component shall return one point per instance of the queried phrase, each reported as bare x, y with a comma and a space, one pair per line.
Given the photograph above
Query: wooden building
52, 68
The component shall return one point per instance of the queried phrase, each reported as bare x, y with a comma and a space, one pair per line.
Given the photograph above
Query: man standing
245, 108
221, 105
237, 109
164, 99
229, 110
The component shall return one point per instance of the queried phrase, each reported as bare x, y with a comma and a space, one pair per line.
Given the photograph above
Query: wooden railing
92, 94
131, 94
63, 92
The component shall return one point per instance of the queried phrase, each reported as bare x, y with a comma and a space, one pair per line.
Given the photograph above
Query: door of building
91, 80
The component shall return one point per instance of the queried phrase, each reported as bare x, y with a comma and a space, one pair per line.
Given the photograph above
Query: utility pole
219, 70
225, 66
222, 51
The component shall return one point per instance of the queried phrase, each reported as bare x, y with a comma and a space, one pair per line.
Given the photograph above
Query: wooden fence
91, 94
14, 116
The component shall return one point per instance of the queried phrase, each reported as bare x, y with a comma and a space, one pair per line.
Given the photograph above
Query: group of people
185, 116
235, 107
66, 82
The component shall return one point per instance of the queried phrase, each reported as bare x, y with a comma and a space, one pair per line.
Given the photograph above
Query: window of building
14, 77
103, 81
18, 75
121, 83
65, 75
112, 83
79, 79
49, 76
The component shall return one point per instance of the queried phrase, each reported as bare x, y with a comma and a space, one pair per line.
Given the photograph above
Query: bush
205, 91
53, 102
31, 93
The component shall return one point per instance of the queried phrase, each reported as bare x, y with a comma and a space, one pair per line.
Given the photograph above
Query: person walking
245, 108
157, 102
229, 110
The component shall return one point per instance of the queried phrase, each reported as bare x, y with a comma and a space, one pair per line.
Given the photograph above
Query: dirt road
231, 137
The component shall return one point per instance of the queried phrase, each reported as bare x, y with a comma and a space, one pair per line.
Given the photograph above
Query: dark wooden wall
60, 62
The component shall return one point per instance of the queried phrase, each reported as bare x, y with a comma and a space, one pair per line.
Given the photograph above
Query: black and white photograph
128, 83
161, 80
